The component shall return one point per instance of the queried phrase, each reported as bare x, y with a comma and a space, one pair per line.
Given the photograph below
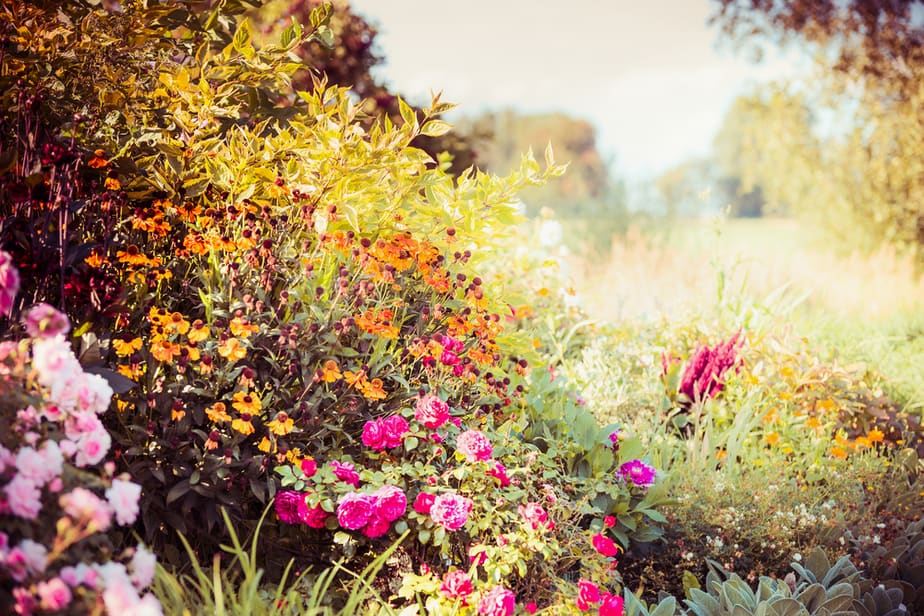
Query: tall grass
235, 586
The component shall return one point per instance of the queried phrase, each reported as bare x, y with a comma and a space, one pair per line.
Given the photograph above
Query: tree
873, 55
347, 59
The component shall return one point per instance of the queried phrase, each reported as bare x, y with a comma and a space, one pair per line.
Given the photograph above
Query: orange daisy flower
281, 425
244, 402
199, 331
124, 348
232, 349
240, 327
164, 350
218, 412
330, 372
243, 425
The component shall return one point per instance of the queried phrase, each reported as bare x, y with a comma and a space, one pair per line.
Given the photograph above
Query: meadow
263, 353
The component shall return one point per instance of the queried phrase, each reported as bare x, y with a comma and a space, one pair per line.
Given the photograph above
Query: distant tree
765, 153
872, 52
350, 61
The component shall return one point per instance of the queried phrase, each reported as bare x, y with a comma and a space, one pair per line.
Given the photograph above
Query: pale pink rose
92, 447
82, 573
40, 466
123, 498
534, 514
390, 503
431, 411
83, 505
456, 585
52, 412
497, 602
68, 448
79, 424
7, 459
54, 361
54, 595
82, 393
24, 497
45, 321
36, 555
451, 510
120, 596
143, 564
474, 445
354, 510
9, 283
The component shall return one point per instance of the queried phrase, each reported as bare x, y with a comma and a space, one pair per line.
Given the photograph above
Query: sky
649, 74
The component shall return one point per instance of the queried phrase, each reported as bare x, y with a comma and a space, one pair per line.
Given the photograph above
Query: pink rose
432, 412
345, 472
44, 321
390, 503
143, 565
497, 602
92, 447
376, 527
9, 283
423, 503
474, 445
533, 513
611, 605
85, 506
123, 498
354, 510
315, 517
53, 595
309, 467
448, 358
40, 466
588, 593
24, 497
604, 545
499, 472
287, 506
456, 585
451, 510
374, 435
395, 429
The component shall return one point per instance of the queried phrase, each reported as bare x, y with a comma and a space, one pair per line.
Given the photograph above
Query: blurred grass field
861, 307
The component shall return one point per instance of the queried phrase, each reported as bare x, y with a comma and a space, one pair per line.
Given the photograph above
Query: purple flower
287, 506
9, 283
637, 472
704, 376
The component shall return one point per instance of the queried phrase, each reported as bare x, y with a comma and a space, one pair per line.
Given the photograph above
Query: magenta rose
9, 282
611, 605
451, 510
499, 472
315, 517
376, 527
431, 412
345, 472
588, 593
390, 503
497, 602
395, 428
456, 585
374, 435
423, 503
604, 545
354, 510
287, 506
474, 445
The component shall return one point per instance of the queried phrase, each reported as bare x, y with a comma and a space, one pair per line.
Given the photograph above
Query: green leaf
242, 36
435, 128
178, 490
411, 443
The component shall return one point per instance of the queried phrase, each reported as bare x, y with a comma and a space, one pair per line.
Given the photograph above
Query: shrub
54, 553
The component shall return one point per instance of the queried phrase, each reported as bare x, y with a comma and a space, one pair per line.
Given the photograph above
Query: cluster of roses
589, 594
59, 425
456, 585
